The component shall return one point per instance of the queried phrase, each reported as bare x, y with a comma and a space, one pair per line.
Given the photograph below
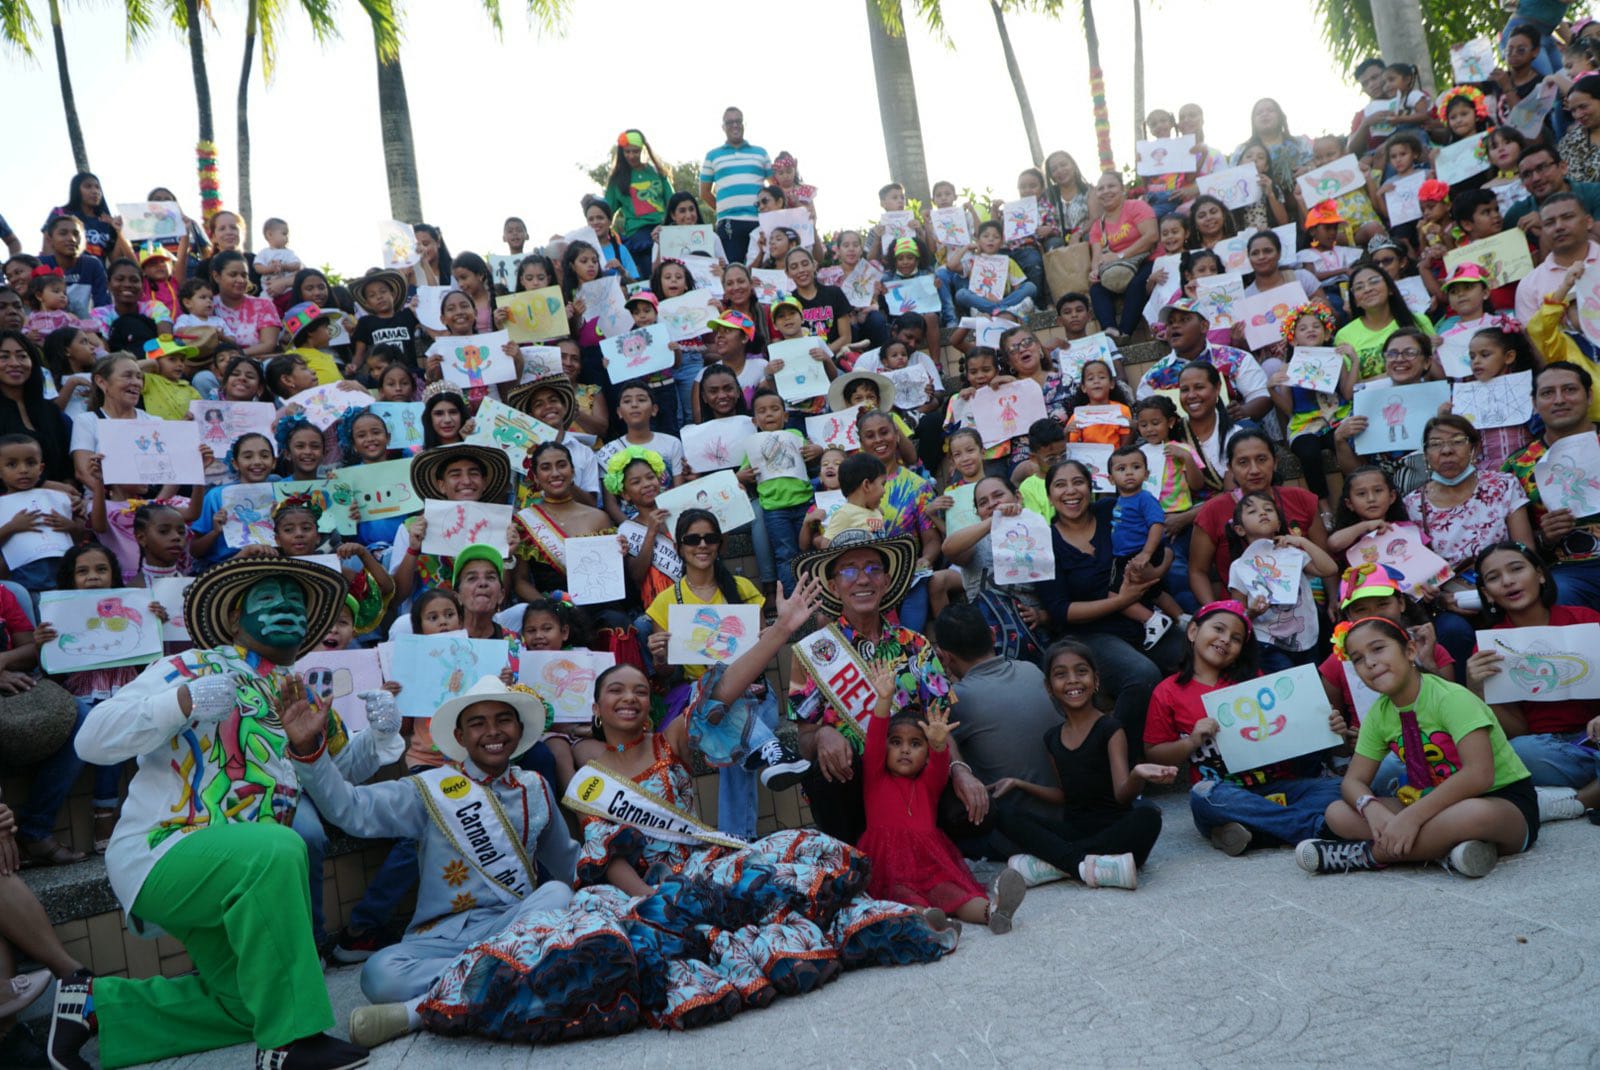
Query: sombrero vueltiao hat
392, 279
520, 396
427, 470
531, 710
211, 598
899, 555
840, 389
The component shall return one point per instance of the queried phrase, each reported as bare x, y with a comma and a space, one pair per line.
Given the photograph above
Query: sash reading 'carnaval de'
477, 828
841, 676
610, 796
664, 556
544, 534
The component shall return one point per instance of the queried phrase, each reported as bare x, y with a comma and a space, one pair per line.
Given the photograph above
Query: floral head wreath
345, 430
297, 501
619, 462
1480, 106
1312, 308
288, 426
1342, 630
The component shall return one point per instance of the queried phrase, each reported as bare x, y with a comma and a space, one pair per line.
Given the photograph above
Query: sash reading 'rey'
610, 796
841, 676
545, 535
477, 828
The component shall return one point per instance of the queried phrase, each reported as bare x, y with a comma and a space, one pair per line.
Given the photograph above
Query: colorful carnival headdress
620, 461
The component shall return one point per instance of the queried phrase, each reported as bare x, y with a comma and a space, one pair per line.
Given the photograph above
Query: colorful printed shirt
1446, 714
243, 324
921, 685
906, 498
1246, 381
1582, 543
644, 204
1458, 533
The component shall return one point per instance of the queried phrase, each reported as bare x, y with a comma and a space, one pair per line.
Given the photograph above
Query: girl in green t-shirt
1467, 798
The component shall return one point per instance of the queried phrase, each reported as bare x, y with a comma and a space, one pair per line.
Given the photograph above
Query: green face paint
274, 614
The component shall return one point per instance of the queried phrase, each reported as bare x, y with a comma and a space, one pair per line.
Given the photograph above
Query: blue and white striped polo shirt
736, 176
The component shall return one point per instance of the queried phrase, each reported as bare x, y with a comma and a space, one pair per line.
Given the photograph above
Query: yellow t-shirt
851, 516
681, 594
322, 366
167, 399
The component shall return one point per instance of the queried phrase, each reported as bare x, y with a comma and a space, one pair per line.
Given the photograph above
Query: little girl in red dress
913, 861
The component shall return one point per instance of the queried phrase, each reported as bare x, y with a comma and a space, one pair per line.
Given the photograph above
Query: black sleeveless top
1085, 773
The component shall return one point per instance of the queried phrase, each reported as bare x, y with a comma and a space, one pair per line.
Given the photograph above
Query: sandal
48, 851
105, 823
19, 991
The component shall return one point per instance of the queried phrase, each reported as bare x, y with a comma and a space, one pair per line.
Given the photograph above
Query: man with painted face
480, 825
204, 849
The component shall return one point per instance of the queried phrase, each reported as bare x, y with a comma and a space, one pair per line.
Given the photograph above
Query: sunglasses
695, 538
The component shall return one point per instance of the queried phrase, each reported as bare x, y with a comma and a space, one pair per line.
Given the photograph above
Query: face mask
275, 614
1466, 474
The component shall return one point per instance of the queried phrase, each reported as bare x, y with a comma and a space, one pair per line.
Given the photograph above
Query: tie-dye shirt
905, 504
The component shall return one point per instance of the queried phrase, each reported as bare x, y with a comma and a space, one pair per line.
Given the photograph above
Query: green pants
238, 899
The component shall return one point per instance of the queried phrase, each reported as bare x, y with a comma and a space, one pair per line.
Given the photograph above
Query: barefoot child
913, 862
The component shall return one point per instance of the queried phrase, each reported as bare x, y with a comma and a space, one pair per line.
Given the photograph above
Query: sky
505, 126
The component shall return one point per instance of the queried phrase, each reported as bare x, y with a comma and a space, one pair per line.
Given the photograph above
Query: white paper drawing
454, 526
913, 386
1269, 571
475, 360
1263, 314
1166, 156
963, 512
404, 421
540, 362
26, 547
1402, 201
802, 376
829, 502
705, 274
249, 507
399, 243
1568, 475
1455, 355
1271, 718
168, 592
1529, 114
430, 301
222, 423
1415, 294
919, 293
433, 669
1236, 187
637, 353
1549, 664
1461, 160
835, 429
1316, 368
720, 492
681, 242
711, 634
896, 225
1020, 218
594, 570
337, 678
1504, 257
143, 452
1021, 548
564, 679
861, 286
986, 331
1396, 416
1234, 253
1219, 296
686, 315
604, 300
499, 426
1162, 293
98, 629
502, 272
796, 219
1099, 416
1402, 549
771, 285
951, 227
716, 443
1473, 61
323, 405
775, 455
1095, 456
1504, 401
1002, 413
144, 221
1331, 180
988, 276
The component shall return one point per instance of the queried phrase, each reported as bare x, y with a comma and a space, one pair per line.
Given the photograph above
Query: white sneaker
1473, 858
1559, 804
1035, 870
1109, 871
1155, 628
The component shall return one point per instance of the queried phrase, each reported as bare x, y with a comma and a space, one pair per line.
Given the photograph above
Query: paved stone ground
1214, 961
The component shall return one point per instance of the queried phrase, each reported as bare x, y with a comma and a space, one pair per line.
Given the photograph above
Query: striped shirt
736, 175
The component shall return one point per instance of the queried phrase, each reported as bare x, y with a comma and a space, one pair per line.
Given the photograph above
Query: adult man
464, 472
480, 825
1248, 397
1561, 393
1369, 75
1544, 174
204, 847
730, 177
13, 313
1565, 224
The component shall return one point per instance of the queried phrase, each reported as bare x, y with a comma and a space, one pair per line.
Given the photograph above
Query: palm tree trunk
252, 13
1035, 150
197, 61
399, 152
897, 106
1097, 90
1138, 69
80, 154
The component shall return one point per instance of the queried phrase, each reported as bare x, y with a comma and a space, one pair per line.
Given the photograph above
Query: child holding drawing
1468, 799
1285, 631
782, 487
1311, 415
207, 517
22, 470
1495, 352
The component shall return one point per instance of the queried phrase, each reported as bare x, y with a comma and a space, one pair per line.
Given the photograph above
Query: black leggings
1064, 841
1308, 449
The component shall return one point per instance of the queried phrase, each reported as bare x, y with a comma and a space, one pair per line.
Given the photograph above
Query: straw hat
531, 710
899, 556
212, 597
520, 397
840, 390
427, 470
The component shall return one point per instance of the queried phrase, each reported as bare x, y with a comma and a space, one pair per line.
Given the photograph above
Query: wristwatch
1361, 804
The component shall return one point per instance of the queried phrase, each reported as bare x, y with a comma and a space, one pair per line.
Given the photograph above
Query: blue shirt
86, 283
1131, 520
736, 176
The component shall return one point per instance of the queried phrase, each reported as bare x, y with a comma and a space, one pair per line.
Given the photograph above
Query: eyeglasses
695, 538
1447, 444
1387, 261
1538, 168
851, 573
1410, 352
1024, 343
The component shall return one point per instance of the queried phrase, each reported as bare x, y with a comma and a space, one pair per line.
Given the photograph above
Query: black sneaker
1335, 856
784, 768
320, 1052
20, 1048
72, 1022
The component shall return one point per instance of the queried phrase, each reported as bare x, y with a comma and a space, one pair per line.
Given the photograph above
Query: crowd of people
933, 710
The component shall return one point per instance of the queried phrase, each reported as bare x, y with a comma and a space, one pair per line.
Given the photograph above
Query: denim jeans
736, 785
1177, 577
967, 301
52, 783
1558, 760
1031, 261
783, 539
308, 825
914, 607
873, 329
641, 247
1577, 583
392, 883
666, 399
1457, 636
684, 375
1133, 299
1549, 60
1217, 802
1391, 775
766, 567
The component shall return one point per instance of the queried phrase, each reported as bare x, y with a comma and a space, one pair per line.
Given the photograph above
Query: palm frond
17, 26
385, 27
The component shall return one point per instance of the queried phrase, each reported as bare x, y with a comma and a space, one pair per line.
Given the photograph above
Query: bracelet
963, 765
412, 551
1362, 804
309, 759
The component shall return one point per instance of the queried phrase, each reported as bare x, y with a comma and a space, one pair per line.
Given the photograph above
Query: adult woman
1068, 192
86, 200
435, 265
1080, 603
253, 322
1207, 425
547, 524
1212, 221
1252, 465
828, 313
739, 295
1550, 737
118, 389
1023, 357
1012, 612
1265, 251
226, 231
1580, 146
1462, 510
637, 193
905, 506
1121, 239
23, 409
1407, 354
1270, 127
1383, 311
